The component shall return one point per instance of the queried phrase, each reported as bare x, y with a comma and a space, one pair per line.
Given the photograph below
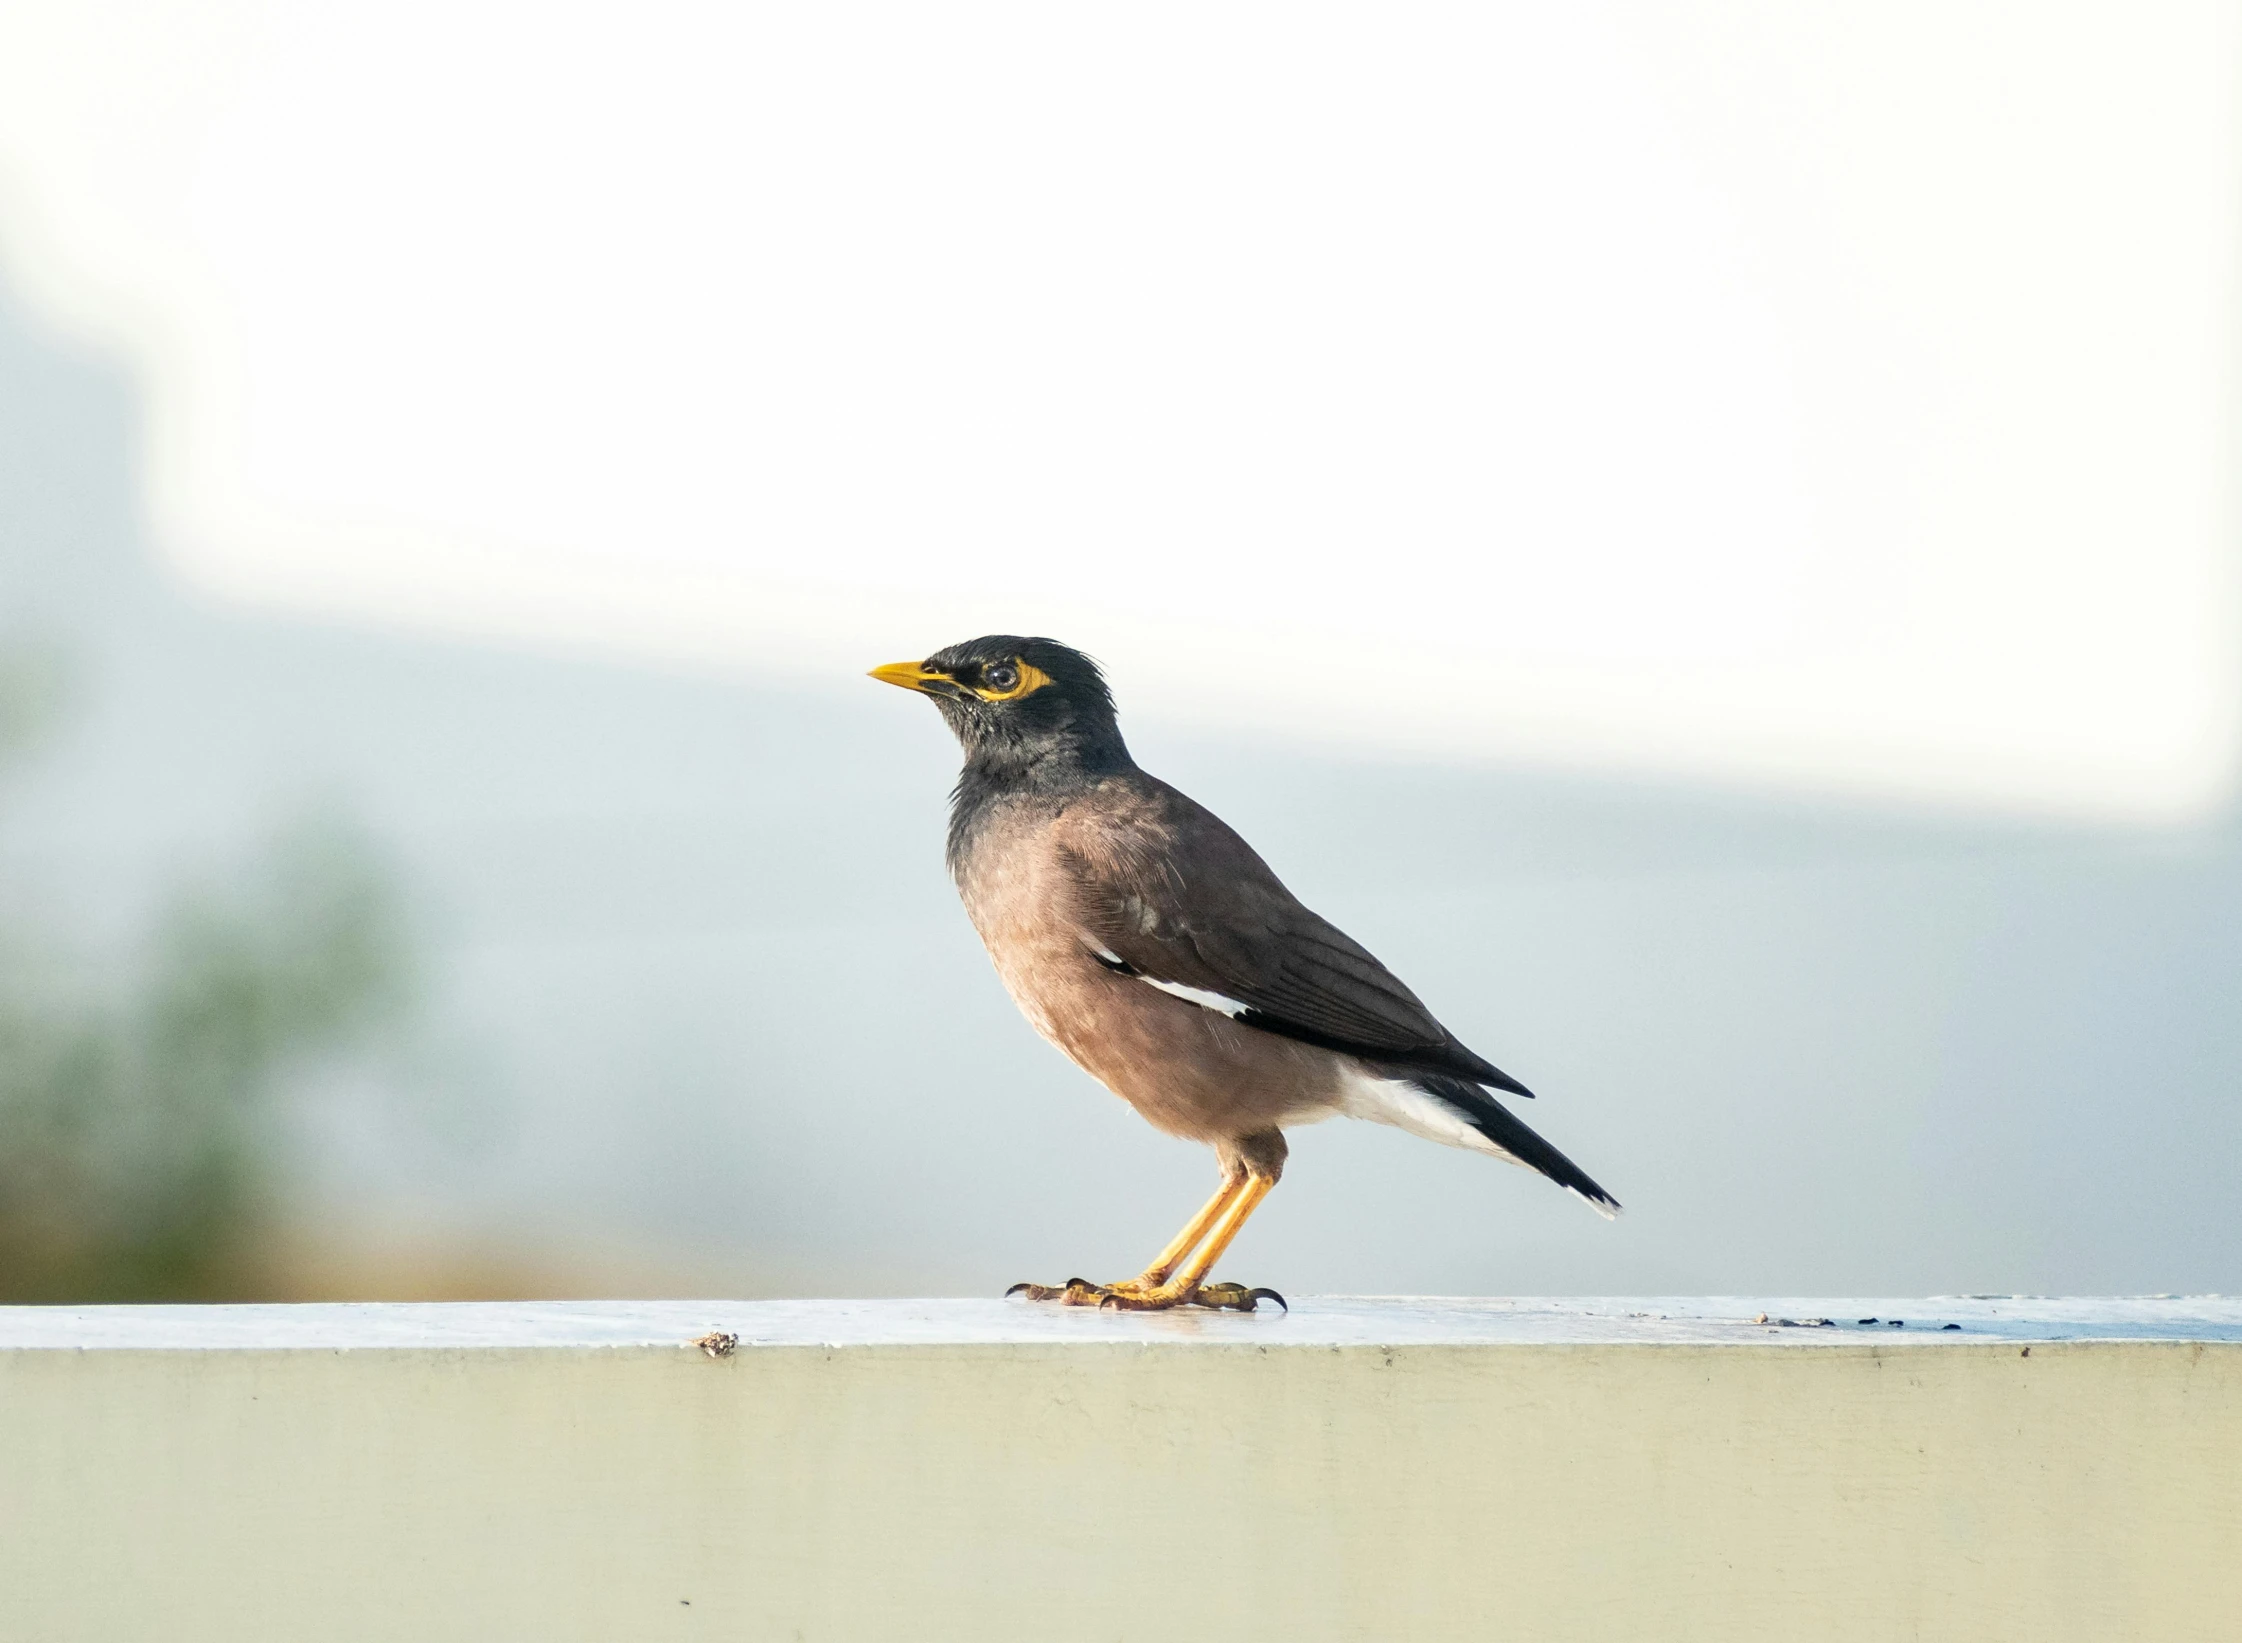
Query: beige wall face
1108, 1491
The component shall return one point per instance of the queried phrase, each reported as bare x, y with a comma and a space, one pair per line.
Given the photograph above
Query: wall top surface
1315, 1322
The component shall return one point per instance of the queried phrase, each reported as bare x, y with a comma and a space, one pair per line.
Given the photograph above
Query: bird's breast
1020, 898
1190, 1071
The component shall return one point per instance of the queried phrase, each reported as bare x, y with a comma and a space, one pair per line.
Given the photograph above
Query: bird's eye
1003, 676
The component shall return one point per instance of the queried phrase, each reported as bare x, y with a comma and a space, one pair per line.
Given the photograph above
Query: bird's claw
1074, 1292
1133, 1295
1236, 1297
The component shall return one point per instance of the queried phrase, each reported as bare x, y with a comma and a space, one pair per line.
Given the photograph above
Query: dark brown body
1190, 1071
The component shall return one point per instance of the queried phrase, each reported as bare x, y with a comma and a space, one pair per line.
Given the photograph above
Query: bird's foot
1136, 1295
1214, 1297
1074, 1292
1082, 1292
1237, 1297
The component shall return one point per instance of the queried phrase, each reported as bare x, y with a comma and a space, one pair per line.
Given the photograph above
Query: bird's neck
1043, 764
1046, 772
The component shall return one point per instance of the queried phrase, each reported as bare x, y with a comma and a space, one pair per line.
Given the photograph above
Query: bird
1142, 936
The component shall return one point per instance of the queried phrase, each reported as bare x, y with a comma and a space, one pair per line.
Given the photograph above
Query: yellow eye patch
1009, 681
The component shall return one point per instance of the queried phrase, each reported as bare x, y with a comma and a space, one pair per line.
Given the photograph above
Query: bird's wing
1166, 892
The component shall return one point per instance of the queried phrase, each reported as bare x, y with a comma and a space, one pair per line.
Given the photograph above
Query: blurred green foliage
136, 1108
31, 692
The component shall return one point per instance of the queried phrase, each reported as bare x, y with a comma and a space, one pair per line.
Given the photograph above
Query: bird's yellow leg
1183, 1286
1161, 1285
1082, 1292
1164, 1264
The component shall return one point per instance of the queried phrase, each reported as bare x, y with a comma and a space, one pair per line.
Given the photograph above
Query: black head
1020, 706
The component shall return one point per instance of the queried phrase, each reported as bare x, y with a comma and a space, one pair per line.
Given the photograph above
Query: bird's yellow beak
911, 676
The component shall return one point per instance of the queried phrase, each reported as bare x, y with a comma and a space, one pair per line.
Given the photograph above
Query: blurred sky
1766, 471
1798, 393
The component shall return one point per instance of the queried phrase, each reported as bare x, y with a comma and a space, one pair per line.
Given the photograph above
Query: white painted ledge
1315, 1321
1360, 1469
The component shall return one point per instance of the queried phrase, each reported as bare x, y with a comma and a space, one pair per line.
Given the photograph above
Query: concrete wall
1249, 1479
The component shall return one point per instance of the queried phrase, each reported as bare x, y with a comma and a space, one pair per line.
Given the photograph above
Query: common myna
1146, 940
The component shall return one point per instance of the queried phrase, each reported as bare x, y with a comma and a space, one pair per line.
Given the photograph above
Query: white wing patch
1199, 996
1175, 989
1405, 1107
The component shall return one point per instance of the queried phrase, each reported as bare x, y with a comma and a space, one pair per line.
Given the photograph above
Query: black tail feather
1509, 1132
